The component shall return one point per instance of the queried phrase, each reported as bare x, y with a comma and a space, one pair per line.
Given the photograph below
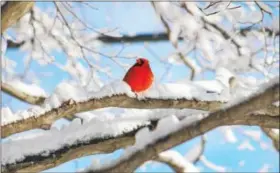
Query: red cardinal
140, 76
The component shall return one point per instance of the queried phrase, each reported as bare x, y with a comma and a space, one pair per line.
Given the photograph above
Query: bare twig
175, 45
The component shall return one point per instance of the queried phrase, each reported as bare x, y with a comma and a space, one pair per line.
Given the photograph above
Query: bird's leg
136, 96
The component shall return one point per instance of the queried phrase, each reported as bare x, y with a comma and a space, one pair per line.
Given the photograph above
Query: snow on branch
104, 133
149, 144
176, 161
12, 11
68, 100
27, 93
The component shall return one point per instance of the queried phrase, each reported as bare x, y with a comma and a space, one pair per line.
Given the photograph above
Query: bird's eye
141, 61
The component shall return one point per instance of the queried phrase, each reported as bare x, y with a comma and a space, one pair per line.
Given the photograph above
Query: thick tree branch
123, 101
232, 115
12, 11
40, 162
8, 89
37, 163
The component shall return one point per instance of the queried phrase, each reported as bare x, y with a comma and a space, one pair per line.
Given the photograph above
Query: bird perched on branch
140, 76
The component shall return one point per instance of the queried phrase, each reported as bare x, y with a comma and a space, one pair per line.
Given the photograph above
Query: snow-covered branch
237, 112
21, 95
40, 162
71, 107
12, 11
103, 133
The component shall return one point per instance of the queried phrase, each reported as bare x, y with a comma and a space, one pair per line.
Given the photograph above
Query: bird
140, 76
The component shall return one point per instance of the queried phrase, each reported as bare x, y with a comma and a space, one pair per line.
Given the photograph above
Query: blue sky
141, 18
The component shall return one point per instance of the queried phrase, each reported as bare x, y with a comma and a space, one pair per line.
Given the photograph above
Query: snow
17, 150
30, 89
177, 158
6, 115
246, 145
276, 104
3, 46
211, 165
229, 134
193, 153
144, 138
67, 90
101, 124
261, 89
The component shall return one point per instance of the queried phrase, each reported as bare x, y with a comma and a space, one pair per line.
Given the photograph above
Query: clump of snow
177, 158
3, 46
145, 138
71, 91
115, 88
261, 89
276, 104
17, 150
30, 89
193, 153
229, 134
180, 91
6, 115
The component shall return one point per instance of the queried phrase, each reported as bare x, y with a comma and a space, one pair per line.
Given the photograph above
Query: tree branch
40, 162
232, 115
123, 101
176, 161
12, 11
21, 95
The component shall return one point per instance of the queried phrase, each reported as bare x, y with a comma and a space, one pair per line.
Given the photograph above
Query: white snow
6, 115
30, 89
17, 150
67, 90
102, 123
211, 165
276, 104
177, 158
193, 153
144, 137
3, 46
261, 89
246, 145
229, 134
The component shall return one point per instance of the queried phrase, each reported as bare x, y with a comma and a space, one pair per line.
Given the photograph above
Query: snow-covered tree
216, 64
